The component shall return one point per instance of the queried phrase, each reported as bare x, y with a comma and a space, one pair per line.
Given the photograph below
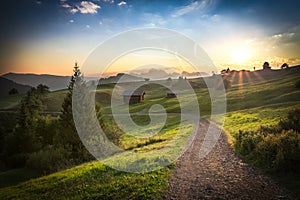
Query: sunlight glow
240, 56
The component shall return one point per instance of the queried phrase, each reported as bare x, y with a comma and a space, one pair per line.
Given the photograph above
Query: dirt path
220, 175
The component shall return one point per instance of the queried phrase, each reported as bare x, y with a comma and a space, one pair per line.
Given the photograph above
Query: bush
292, 121
16, 160
13, 91
49, 159
280, 152
288, 154
246, 142
297, 84
276, 147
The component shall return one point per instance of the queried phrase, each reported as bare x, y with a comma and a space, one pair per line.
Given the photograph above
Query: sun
240, 56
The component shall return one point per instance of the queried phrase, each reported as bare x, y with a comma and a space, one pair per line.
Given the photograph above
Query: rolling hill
254, 99
52, 81
6, 85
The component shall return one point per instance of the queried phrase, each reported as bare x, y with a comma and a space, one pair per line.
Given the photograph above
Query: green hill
7, 85
92, 181
255, 99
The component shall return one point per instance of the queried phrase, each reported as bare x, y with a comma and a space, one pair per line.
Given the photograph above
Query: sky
48, 36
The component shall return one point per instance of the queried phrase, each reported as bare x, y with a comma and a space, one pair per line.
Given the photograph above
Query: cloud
65, 5
87, 26
283, 35
39, 2
194, 6
107, 1
87, 7
122, 3
74, 10
283, 38
71, 21
153, 20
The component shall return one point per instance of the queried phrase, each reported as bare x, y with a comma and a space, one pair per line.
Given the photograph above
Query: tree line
43, 142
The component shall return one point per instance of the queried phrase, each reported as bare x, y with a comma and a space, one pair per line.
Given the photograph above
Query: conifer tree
67, 135
25, 136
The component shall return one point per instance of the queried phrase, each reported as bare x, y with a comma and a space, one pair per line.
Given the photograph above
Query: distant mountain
155, 73
52, 81
188, 74
121, 77
6, 85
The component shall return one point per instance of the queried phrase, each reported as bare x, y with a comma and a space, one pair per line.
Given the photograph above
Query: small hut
133, 96
171, 94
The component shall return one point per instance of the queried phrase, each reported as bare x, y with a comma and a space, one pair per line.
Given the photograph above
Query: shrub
288, 154
292, 121
297, 84
275, 147
265, 152
13, 91
246, 141
49, 159
16, 160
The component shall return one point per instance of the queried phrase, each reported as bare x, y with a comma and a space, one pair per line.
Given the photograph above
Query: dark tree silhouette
42, 89
223, 71
228, 71
284, 66
266, 65
13, 91
25, 136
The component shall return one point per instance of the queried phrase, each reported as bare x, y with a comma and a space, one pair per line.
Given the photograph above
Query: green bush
276, 147
246, 142
49, 159
292, 121
288, 154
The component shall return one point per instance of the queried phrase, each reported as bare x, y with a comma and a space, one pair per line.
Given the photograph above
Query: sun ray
248, 77
233, 76
240, 81
258, 76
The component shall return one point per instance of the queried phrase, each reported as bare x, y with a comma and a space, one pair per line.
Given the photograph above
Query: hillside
243, 76
52, 81
92, 181
6, 85
252, 101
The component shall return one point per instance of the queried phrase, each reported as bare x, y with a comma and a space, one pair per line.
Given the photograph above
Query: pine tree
31, 106
67, 135
25, 136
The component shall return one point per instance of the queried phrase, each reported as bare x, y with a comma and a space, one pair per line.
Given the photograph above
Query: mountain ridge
6, 85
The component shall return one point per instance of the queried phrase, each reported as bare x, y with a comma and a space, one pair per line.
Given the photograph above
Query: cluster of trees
273, 147
13, 91
43, 142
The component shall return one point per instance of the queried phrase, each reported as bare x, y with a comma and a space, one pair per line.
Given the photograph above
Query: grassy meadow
254, 99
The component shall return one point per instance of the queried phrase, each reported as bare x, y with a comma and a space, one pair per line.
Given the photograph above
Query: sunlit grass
92, 180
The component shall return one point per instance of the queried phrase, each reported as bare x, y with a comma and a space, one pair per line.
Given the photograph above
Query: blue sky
47, 36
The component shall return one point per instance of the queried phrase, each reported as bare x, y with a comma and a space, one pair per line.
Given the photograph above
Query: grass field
252, 101
10, 102
92, 181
